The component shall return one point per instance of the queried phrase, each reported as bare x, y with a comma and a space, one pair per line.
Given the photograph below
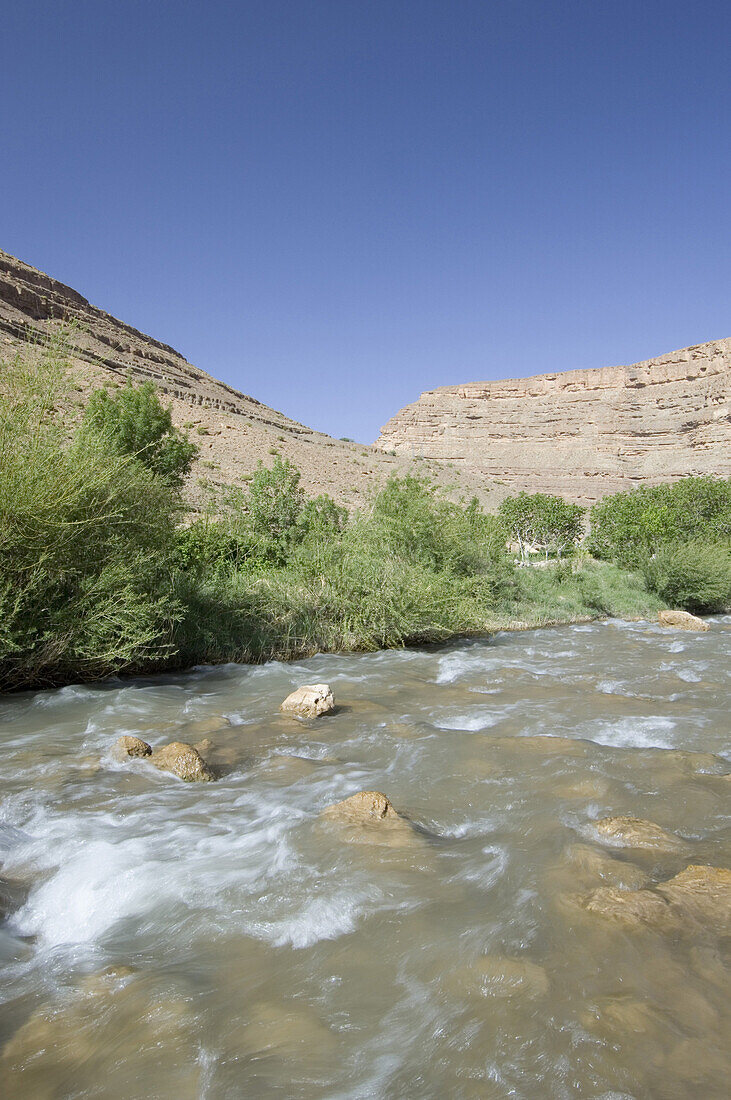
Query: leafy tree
628, 528
133, 422
540, 519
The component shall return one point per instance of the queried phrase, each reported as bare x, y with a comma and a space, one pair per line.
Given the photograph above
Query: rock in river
699, 898
633, 832
182, 760
681, 620
309, 701
371, 810
127, 746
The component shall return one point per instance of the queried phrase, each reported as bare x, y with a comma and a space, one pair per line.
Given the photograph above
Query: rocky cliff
233, 431
581, 433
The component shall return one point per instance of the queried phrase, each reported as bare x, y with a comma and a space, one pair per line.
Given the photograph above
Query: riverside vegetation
102, 572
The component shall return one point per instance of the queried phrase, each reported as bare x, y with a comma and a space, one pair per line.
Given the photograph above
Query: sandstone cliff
234, 431
581, 433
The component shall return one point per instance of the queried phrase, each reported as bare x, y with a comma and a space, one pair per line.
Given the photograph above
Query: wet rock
625, 1015
502, 976
201, 727
697, 898
203, 747
633, 908
702, 895
634, 832
126, 747
309, 701
287, 1032
598, 865
94, 1033
182, 760
373, 817
681, 620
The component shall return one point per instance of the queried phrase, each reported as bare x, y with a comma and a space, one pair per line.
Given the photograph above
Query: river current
222, 940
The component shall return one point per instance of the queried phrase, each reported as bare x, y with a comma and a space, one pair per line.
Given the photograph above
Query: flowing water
222, 940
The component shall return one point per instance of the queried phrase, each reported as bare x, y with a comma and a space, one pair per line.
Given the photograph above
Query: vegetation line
103, 572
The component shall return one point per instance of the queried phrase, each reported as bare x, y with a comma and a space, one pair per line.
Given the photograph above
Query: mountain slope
234, 431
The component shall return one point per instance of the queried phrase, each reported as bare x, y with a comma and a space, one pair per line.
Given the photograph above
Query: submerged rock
681, 620
697, 898
309, 701
634, 832
584, 859
182, 760
113, 1027
374, 816
125, 747
500, 976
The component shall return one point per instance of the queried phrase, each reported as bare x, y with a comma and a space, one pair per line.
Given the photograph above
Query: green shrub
694, 576
134, 423
628, 528
85, 537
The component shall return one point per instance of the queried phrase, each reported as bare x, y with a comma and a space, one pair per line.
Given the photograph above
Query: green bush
628, 528
85, 537
695, 576
133, 422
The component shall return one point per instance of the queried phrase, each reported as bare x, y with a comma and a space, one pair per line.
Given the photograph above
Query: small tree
133, 422
543, 520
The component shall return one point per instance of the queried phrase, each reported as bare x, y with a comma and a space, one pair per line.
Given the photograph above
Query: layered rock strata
581, 433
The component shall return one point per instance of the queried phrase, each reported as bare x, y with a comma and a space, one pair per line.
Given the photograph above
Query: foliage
133, 422
540, 519
695, 576
628, 528
98, 575
84, 538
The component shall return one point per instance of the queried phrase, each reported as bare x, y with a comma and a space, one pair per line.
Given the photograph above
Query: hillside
580, 433
233, 430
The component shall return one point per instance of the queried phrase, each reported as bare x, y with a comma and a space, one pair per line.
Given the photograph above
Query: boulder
681, 620
309, 701
697, 898
633, 832
125, 747
373, 818
703, 895
182, 760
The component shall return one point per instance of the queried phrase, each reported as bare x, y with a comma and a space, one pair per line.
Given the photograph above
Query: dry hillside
234, 431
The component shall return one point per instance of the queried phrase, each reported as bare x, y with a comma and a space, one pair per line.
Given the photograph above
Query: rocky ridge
232, 430
581, 433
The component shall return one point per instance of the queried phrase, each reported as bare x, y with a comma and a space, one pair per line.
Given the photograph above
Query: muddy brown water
221, 940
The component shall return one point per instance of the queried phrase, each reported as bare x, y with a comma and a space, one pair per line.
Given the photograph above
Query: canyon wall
580, 433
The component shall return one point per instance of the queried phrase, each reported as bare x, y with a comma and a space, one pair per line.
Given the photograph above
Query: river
222, 940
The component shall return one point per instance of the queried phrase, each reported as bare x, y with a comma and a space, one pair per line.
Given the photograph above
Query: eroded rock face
681, 620
697, 898
309, 701
126, 747
182, 760
581, 433
633, 832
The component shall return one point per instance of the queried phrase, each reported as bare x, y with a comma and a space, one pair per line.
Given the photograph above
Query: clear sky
336, 204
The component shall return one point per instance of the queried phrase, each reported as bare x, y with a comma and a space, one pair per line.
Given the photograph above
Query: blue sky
336, 204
